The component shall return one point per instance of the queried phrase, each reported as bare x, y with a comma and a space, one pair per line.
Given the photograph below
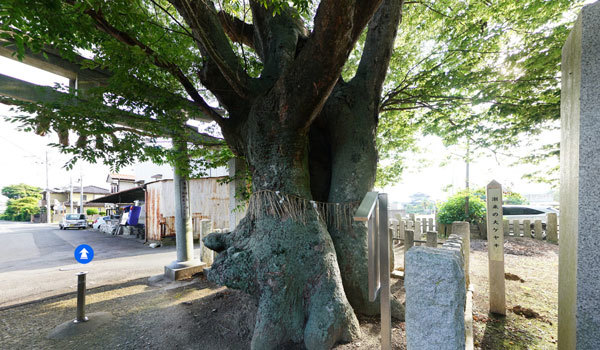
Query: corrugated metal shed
209, 200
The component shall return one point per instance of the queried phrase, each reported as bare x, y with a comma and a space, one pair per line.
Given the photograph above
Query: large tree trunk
282, 252
343, 147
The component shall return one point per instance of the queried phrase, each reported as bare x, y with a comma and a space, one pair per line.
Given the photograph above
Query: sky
23, 157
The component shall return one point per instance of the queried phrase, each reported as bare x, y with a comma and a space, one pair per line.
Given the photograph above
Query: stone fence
436, 282
535, 229
516, 228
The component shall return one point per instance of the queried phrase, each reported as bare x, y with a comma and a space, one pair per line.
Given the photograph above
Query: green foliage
21, 191
102, 213
21, 209
454, 209
484, 71
91, 211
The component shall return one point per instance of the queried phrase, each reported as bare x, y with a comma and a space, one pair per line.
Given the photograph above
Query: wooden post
537, 229
409, 242
432, 239
495, 248
552, 228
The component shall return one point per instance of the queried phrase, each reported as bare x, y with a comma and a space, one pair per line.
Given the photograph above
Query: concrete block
435, 299
177, 273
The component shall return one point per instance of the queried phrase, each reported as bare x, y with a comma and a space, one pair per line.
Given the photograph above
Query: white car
525, 212
100, 221
77, 221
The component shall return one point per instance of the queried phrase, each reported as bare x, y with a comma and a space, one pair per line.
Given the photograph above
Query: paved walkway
37, 260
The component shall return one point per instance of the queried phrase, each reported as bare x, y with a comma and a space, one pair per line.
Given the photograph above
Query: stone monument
579, 275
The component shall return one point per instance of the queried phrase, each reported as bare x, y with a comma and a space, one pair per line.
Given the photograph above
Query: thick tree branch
207, 29
237, 30
379, 45
310, 81
277, 38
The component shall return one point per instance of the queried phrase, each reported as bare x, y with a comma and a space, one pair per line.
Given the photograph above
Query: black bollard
81, 298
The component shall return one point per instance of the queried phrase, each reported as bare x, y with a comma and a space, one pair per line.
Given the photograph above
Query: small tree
454, 209
21, 209
91, 211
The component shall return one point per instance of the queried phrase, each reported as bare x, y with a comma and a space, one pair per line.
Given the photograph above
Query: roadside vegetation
23, 201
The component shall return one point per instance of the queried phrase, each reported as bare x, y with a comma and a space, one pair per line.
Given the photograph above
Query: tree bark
285, 258
344, 153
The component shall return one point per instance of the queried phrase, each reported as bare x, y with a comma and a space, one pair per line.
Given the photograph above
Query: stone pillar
526, 228
418, 229
435, 299
432, 239
552, 228
431, 227
462, 229
495, 248
516, 228
505, 227
424, 224
206, 255
391, 247
579, 256
409, 242
186, 264
401, 229
537, 229
412, 217
394, 227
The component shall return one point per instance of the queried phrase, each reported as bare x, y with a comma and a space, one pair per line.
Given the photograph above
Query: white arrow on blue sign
84, 254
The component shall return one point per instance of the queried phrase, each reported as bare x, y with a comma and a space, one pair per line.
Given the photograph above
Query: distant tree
420, 203
509, 197
91, 211
21, 191
454, 209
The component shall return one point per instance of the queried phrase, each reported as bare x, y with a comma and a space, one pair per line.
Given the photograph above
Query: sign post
495, 248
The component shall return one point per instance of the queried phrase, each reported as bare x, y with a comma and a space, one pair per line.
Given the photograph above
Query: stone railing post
552, 228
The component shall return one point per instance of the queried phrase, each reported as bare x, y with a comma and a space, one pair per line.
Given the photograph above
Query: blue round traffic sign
84, 254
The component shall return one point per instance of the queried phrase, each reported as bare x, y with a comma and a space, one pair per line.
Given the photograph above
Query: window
85, 197
530, 211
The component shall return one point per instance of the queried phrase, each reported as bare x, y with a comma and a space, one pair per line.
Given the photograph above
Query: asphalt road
37, 260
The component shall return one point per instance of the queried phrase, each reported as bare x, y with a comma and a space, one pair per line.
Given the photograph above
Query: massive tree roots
290, 266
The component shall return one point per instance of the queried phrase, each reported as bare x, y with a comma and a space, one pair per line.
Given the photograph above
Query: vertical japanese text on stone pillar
494, 222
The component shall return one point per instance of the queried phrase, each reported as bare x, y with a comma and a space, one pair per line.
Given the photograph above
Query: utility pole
80, 189
71, 196
186, 264
48, 213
